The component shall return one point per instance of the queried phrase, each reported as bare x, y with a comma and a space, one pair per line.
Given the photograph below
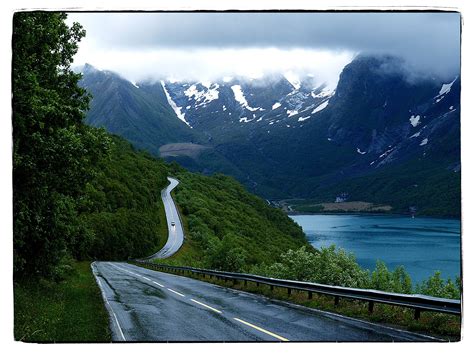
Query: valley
295, 170
379, 135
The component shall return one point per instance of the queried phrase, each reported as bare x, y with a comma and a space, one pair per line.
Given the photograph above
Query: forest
81, 194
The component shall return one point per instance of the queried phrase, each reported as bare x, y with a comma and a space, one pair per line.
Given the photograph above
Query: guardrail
417, 302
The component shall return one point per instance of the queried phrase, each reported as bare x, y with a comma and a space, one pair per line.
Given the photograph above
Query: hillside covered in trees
79, 192
227, 227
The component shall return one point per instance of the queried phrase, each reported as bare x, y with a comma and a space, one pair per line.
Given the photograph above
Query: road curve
175, 233
147, 305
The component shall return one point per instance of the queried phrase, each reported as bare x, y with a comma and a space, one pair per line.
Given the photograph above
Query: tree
54, 152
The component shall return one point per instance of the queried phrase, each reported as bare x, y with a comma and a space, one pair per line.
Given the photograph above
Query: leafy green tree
437, 287
329, 266
401, 281
381, 276
397, 281
54, 153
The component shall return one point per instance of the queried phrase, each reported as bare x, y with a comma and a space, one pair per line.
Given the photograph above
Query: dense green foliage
122, 209
430, 187
69, 311
54, 153
332, 266
228, 228
77, 191
436, 286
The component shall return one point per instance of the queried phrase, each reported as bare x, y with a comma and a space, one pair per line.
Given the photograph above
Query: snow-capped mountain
242, 103
285, 135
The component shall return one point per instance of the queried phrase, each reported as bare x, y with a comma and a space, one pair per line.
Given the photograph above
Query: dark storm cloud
429, 41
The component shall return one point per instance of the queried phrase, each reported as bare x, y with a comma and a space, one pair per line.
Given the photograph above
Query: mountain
141, 114
285, 136
229, 105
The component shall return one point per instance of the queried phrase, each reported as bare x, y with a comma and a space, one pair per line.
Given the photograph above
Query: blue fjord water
421, 245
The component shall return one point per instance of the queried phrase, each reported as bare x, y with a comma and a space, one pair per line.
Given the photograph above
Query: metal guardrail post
310, 295
371, 306
417, 313
336, 300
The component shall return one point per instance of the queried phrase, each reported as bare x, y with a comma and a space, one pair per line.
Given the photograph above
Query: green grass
69, 311
440, 325
162, 227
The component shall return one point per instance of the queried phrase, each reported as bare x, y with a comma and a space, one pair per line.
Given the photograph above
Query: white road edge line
180, 294
205, 305
261, 329
157, 283
109, 306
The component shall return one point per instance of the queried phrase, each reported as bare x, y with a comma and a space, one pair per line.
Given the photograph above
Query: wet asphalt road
147, 305
175, 233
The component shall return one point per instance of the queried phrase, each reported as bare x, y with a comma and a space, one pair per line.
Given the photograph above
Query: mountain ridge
298, 139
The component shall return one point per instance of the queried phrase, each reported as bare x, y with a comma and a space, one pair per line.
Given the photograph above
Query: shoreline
362, 213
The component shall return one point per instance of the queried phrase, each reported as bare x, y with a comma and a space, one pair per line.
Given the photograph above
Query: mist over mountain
288, 135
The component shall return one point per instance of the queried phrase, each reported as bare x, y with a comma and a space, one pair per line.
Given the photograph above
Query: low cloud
211, 44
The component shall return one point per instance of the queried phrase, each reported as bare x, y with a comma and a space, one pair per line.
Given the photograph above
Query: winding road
147, 305
175, 232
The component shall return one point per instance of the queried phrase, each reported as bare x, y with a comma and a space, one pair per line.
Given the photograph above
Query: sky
205, 46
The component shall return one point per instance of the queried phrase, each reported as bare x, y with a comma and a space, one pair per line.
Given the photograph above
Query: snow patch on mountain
203, 97
360, 151
424, 142
240, 98
276, 105
417, 134
446, 88
293, 79
326, 92
321, 107
173, 105
301, 119
244, 119
415, 120
291, 112
386, 153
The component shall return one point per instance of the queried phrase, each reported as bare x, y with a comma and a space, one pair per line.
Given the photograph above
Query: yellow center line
180, 294
205, 305
261, 329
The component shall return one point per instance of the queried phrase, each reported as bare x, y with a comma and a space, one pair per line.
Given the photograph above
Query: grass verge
439, 325
68, 311
163, 226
